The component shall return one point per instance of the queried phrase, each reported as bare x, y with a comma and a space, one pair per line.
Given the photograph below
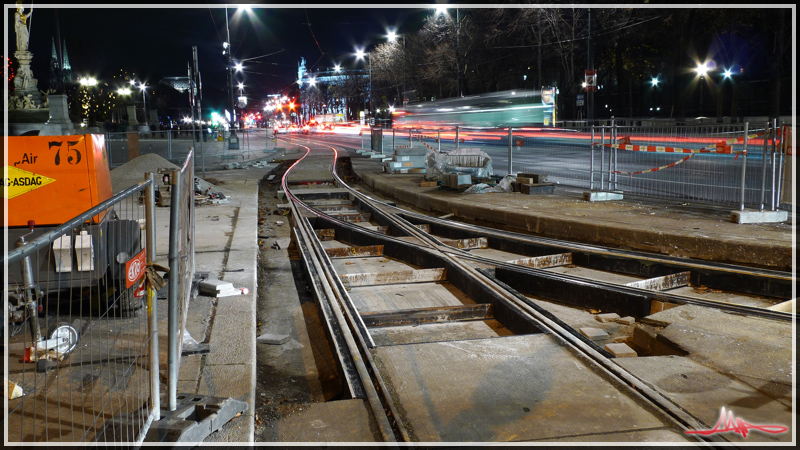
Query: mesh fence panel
91, 365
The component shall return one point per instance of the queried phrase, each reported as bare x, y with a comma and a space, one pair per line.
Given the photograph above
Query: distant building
333, 94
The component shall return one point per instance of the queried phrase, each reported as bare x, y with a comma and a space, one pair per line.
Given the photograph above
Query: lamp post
144, 102
121, 91
360, 55
142, 87
726, 75
702, 70
88, 83
233, 140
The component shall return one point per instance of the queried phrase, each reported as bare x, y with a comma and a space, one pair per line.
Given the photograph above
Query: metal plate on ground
516, 388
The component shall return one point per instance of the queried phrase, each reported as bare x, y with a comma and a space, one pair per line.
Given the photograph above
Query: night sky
157, 42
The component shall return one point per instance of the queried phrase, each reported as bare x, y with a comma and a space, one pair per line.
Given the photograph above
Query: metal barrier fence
174, 145
181, 267
80, 344
83, 331
675, 162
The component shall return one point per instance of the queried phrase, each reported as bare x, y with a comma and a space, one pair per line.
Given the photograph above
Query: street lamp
233, 141
702, 69
360, 55
144, 102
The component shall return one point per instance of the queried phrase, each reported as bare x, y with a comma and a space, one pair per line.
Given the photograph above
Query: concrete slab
703, 391
755, 216
412, 296
507, 389
338, 421
607, 317
595, 334
437, 332
602, 196
735, 345
369, 264
620, 350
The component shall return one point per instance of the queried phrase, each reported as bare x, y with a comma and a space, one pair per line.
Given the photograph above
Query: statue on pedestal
26, 93
21, 27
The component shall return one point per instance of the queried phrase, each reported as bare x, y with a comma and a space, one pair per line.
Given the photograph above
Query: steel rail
379, 403
639, 388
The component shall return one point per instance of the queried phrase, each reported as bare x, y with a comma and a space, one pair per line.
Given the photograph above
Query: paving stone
627, 320
620, 350
594, 334
607, 317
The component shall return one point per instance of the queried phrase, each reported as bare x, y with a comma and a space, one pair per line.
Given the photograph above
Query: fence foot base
194, 419
602, 196
754, 216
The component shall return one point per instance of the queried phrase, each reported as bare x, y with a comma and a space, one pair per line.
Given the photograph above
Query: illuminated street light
441, 9
144, 101
360, 55
702, 69
654, 81
337, 68
392, 35
728, 73
238, 67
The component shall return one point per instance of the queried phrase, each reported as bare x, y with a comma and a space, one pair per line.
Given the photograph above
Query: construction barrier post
152, 304
744, 167
172, 293
510, 157
591, 161
767, 135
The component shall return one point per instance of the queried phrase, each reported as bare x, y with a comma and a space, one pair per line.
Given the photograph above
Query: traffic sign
591, 80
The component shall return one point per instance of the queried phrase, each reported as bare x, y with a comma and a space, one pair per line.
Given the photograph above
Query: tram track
365, 257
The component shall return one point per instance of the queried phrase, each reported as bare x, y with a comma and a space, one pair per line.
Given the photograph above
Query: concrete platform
670, 228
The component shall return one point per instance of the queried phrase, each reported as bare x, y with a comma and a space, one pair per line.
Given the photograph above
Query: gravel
132, 172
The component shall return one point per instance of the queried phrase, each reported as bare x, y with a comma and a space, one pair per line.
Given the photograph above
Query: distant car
280, 130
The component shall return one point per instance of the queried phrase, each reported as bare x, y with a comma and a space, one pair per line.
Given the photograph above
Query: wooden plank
542, 262
673, 281
355, 252
466, 244
399, 277
326, 235
439, 314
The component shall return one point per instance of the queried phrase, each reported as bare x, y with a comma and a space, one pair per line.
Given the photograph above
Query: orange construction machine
47, 181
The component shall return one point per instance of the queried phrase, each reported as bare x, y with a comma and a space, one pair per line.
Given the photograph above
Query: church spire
67, 67
54, 54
